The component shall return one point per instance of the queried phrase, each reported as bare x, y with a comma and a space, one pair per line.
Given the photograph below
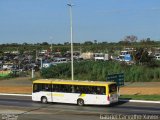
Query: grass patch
141, 97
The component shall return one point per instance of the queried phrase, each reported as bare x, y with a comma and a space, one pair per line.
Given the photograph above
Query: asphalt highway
23, 108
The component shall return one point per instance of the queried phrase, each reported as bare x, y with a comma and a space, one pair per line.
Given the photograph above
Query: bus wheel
44, 100
80, 102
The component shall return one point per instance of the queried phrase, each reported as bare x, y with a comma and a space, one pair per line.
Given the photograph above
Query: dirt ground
140, 91
14, 89
141, 88
24, 86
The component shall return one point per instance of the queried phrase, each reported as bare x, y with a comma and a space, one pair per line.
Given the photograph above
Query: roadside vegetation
98, 70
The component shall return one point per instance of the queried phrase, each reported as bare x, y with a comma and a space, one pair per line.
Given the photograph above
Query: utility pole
51, 43
32, 72
71, 30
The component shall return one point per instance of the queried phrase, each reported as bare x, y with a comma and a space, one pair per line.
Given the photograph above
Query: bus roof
75, 82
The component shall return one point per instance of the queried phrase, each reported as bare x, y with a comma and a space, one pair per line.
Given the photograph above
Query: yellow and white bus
75, 92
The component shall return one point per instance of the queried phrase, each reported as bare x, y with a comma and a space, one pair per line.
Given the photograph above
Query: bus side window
102, 90
55, 88
68, 88
47, 87
41, 87
76, 89
61, 88
89, 90
35, 88
82, 89
94, 90
85, 89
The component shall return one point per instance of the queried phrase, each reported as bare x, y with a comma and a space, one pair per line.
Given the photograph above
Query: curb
139, 101
121, 100
24, 95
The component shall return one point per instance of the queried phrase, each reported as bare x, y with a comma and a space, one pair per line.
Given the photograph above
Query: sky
37, 21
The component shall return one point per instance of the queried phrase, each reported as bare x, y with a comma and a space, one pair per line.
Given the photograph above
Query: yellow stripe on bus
82, 95
58, 94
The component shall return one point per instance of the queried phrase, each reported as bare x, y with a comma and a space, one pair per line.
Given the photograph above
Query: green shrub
98, 70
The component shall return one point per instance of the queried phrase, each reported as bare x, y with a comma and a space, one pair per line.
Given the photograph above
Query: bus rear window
112, 88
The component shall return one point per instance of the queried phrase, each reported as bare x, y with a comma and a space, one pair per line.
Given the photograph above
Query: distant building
87, 56
101, 56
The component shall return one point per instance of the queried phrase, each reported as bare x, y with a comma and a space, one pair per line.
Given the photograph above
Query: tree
145, 57
131, 38
45, 43
88, 42
66, 43
95, 41
141, 56
147, 42
24, 43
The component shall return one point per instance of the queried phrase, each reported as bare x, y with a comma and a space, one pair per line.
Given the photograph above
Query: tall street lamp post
71, 30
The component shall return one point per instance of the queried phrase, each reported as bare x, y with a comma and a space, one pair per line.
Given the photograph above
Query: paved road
22, 108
